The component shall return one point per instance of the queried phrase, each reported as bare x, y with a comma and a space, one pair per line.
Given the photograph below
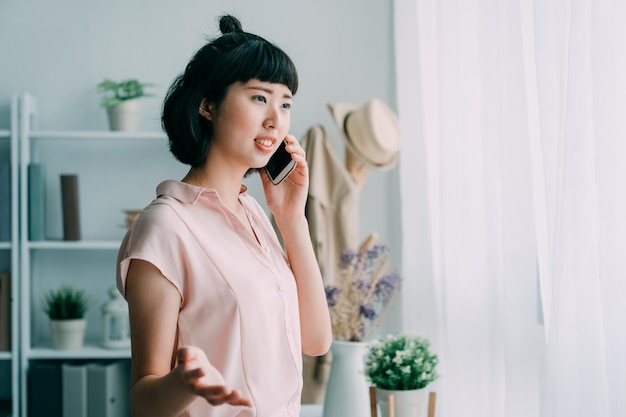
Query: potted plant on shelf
121, 99
66, 308
401, 366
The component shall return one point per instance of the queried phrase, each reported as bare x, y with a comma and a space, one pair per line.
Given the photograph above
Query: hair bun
229, 24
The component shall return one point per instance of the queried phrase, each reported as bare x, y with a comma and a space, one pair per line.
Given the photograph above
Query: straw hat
370, 131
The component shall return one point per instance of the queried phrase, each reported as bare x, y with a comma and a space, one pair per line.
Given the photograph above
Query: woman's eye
287, 106
260, 99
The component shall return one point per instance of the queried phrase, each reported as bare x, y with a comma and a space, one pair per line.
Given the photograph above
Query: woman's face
252, 120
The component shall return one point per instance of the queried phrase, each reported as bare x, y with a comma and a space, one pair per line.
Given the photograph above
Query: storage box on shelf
9, 266
114, 172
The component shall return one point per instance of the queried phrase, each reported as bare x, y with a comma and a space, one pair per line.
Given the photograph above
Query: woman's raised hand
204, 380
289, 197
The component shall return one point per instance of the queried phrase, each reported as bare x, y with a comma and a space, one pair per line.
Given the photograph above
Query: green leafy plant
66, 303
400, 362
116, 92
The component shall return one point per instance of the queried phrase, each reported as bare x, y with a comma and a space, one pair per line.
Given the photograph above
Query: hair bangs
265, 62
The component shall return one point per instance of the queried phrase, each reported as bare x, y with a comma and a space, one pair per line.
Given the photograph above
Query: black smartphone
280, 164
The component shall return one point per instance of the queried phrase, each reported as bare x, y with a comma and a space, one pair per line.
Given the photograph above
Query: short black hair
235, 56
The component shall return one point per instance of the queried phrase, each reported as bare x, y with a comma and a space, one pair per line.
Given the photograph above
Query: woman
220, 314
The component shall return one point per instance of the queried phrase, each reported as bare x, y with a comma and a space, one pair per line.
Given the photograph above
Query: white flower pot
347, 392
125, 116
408, 403
68, 334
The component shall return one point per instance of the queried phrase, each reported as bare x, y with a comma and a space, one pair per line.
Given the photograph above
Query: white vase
347, 392
125, 116
68, 334
408, 403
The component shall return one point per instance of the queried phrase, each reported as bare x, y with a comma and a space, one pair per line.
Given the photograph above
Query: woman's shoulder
160, 216
166, 217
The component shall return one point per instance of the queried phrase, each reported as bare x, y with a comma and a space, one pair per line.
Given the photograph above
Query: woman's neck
228, 187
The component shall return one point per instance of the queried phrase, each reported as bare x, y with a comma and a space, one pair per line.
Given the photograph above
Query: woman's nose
269, 123
272, 119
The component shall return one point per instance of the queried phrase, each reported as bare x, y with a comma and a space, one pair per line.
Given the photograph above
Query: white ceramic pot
125, 116
68, 334
347, 392
408, 403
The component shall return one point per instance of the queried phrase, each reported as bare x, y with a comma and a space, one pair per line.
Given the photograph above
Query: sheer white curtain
512, 173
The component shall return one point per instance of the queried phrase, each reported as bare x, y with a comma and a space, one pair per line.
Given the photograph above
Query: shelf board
96, 134
91, 350
75, 244
5, 245
5, 133
4, 355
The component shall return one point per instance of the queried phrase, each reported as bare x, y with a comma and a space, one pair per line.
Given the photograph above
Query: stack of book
72, 389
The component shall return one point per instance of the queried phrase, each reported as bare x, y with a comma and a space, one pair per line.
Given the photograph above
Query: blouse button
281, 287
266, 249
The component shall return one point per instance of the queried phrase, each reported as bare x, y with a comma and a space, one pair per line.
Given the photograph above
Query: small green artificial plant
116, 92
66, 303
400, 362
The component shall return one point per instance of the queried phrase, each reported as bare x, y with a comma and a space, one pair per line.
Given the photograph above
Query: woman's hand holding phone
280, 164
287, 196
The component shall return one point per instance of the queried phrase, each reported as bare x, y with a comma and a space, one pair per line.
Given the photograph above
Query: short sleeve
157, 237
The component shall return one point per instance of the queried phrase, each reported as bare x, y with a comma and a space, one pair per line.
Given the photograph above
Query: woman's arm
286, 201
156, 389
314, 315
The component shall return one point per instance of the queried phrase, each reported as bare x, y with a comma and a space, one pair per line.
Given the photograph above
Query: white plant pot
347, 392
125, 116
408, 403
68, 334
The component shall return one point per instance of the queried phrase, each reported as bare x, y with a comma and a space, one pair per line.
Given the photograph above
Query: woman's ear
206, 110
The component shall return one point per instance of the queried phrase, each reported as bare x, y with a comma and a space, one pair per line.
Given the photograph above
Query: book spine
97, 405
44, 389
71, 211
36, 202
108, 392
5, 201
119, 388
5, 310
74, 394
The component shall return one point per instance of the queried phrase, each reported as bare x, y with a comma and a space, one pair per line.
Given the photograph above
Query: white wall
60, 50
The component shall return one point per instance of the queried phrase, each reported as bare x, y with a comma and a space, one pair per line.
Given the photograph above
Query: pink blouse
239, 297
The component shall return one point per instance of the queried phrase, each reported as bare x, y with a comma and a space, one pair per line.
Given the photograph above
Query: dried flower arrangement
363, 291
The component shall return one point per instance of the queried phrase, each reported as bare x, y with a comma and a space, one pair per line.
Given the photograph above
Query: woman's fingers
293, 146
235, 398
221, 395
204, 380
193, 375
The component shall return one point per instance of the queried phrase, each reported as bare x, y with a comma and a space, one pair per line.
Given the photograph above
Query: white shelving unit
9, 260
117, 171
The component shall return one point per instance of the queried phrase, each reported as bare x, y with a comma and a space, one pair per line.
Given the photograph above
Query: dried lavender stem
369, 241
382, 267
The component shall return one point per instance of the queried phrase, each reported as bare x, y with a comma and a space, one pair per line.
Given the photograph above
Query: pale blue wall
59, 50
